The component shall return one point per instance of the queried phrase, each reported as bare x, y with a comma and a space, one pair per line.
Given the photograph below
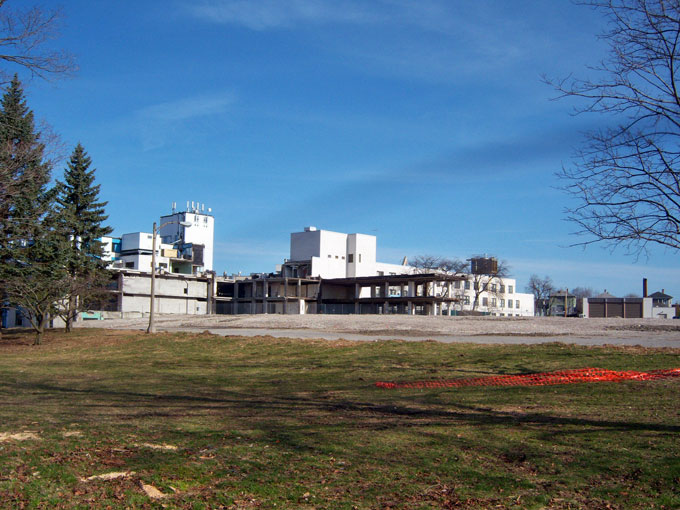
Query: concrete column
253, 291
386, 307
386, 290
372, 290
357, 294
409, 307
411, 289
265, 295
299, 288
234, 309
120, 293
285, 295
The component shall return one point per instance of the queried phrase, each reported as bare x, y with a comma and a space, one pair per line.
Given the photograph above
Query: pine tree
32, 264
24, 173
81, 217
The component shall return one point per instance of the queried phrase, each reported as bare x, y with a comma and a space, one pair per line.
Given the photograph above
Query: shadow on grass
268, 407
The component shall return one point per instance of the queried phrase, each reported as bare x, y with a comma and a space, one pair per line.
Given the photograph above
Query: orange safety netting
579, 375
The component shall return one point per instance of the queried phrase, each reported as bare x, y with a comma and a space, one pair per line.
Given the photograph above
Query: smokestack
644, 287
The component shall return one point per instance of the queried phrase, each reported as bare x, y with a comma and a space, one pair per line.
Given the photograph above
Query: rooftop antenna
187, 206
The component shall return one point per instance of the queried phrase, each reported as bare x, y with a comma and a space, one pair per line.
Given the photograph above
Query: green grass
271, 423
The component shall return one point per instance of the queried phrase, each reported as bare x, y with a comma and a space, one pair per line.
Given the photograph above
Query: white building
326, 254
182, 249
199, 235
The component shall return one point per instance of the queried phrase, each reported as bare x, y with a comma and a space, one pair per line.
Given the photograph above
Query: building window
466, 300
494, 287
343, 257
493, 302
502, 289
517, 304
509, 303
485, 301
467, 284
360, 257
329, 255
502, 304
456, 284
350, 258
130, 265
336, 257
511, 289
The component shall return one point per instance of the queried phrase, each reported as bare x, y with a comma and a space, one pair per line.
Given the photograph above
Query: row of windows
494, 288
350, 257
500, 303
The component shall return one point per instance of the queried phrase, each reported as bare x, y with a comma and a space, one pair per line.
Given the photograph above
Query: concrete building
327, 254
180, 248
335, 258
175, 294
197, 239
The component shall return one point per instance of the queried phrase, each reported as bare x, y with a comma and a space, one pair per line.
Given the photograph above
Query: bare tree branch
625, 179
24, 38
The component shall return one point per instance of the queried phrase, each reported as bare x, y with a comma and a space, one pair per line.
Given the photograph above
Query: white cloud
159, 122
187, 108
268, 14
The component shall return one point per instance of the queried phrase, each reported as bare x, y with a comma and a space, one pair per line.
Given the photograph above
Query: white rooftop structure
337, 255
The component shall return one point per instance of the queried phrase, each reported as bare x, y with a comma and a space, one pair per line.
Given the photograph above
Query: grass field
214, 422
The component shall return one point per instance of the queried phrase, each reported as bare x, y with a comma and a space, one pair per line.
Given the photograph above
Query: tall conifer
81, 218
32, 266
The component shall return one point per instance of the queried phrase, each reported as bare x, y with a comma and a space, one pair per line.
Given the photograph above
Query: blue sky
424, 123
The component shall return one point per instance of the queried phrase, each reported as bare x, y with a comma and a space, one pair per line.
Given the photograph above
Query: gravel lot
650, 332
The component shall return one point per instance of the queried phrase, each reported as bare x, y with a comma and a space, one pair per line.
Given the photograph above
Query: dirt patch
109, 476
408, 325
152, 446
18, 436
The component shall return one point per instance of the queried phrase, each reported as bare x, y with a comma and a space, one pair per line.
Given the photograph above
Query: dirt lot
410, 327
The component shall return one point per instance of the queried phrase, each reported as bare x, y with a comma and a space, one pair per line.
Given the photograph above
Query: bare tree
24, 35
541, 288
583, 292
626, 178
431, 263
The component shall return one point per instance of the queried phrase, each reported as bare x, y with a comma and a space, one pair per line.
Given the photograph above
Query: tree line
50, 254
50, 250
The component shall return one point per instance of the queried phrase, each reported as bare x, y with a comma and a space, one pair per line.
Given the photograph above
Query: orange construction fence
579, 375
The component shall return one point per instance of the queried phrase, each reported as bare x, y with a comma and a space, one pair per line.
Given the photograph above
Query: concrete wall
305, 245
362, 247
663, 312
173, 295
138, 241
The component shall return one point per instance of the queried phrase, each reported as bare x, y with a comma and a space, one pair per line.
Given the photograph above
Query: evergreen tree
81, 217
32, 264
24, 173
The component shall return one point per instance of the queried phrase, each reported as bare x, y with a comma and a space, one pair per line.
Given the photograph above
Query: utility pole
152, 305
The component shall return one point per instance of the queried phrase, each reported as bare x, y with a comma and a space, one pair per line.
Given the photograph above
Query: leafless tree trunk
625, 178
